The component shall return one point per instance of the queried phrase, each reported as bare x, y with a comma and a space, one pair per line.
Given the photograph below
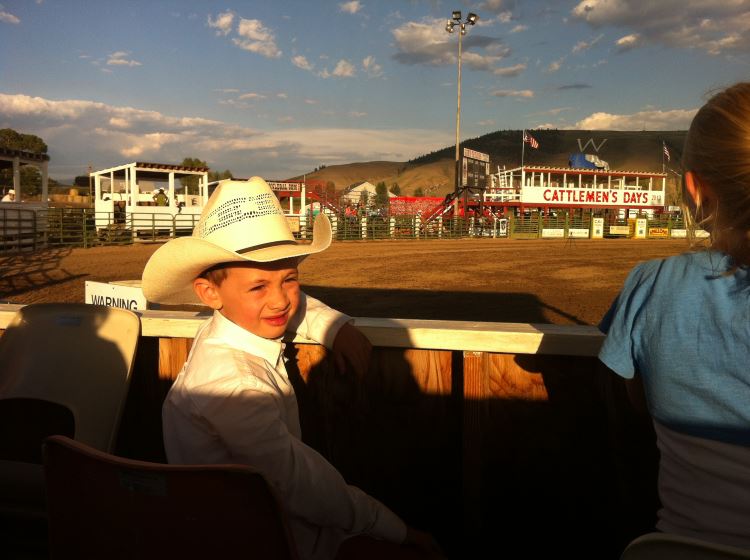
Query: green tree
191, 181
219, 175
13, 140
31, 178
418, 191
381, 194
395, 189
364, 198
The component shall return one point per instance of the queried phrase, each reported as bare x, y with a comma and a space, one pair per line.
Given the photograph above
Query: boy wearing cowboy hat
233, 402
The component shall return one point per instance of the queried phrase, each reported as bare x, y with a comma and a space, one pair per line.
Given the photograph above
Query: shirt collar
267, 348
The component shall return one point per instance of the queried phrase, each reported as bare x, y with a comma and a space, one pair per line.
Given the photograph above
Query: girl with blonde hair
681, 328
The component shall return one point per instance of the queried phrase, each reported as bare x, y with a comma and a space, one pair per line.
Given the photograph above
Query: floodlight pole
456, 21
458, 123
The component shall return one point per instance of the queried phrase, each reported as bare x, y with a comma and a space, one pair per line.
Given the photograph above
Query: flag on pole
529, 139
666, 151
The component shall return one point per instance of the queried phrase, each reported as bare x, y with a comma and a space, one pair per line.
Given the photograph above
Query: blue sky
278, 88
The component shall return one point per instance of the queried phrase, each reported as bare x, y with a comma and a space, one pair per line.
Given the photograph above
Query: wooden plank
512, 338
173, 353
476, 392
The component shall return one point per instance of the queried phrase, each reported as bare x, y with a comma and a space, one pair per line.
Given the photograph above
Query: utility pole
91, 169
455, 21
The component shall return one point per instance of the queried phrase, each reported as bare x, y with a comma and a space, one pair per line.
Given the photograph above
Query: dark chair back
103, 506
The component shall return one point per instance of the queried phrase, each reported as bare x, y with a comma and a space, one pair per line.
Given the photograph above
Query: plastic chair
103, 506
64, 369
658, 546
75, 355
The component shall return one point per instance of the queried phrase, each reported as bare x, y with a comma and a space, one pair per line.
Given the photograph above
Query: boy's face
261, 298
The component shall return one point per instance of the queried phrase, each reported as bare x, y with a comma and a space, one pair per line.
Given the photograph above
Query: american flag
666, 151
529, 139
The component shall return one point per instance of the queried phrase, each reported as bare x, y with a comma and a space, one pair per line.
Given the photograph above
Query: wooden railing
489, 435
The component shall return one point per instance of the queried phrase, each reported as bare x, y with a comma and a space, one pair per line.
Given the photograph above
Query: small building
16, 159
355, 194
127, 194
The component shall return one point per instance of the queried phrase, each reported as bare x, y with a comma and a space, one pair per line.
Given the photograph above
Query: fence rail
82, 227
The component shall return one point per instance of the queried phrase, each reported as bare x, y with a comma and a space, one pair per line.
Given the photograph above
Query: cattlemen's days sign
593, 197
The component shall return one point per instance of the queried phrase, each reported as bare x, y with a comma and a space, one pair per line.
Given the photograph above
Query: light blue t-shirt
683, 324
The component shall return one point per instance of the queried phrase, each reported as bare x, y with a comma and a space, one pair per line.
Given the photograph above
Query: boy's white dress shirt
233, 403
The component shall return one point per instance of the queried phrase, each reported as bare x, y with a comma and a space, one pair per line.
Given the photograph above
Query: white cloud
371, 68
344, 69
257, 38
492, 5
136, 133
714, 26
119, 122
301, 62
519, 28
628, 42
222, 23
510, 70
675, 119
522, 93
282, 95
119, 58
7, 17
488, 122
357, 114
227, 90
426, 42
351, 7
555, 65
251, 95
311, 101
586, 45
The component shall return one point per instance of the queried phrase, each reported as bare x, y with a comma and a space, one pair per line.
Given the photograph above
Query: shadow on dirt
22, 272
446, 305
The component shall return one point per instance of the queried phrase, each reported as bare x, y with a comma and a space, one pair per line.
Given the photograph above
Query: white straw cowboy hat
241, 222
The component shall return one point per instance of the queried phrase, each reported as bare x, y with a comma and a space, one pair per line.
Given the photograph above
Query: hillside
637, 151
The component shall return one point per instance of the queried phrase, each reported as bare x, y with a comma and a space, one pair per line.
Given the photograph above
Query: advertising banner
619, 230
640, 228
590, 197
598, 224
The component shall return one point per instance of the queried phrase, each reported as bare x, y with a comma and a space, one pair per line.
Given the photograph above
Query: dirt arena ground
527, 281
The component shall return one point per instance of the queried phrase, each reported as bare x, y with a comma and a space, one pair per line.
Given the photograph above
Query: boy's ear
207, 293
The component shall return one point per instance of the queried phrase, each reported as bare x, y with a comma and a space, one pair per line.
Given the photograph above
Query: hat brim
169, 274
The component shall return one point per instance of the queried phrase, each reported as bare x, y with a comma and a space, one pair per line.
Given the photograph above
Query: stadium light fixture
471, 19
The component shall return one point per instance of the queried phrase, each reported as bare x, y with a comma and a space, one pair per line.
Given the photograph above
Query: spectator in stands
161, 198
680, 333
233, 401
10, 196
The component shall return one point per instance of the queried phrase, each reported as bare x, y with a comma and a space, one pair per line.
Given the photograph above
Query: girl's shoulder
704, 262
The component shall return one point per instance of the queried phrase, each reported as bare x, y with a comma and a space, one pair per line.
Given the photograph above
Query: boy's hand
351, 351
